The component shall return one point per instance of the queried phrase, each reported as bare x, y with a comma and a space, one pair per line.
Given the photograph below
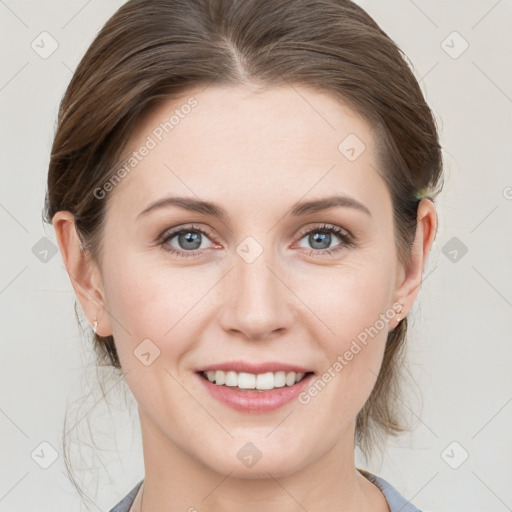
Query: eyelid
172, 232
327, 227
348, 241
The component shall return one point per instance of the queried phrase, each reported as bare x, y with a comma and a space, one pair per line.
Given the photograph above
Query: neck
176, 481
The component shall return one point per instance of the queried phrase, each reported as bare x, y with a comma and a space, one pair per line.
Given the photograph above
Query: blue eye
320, 237
190, 240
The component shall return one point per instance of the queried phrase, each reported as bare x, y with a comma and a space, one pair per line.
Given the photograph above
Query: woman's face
265, 282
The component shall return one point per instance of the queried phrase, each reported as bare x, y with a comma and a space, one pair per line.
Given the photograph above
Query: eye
191, 240
320, 238
188, 241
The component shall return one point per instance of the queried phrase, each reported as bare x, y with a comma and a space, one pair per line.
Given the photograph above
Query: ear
409, 280
83, 272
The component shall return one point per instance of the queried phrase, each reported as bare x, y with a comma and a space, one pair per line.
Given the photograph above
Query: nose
257, 302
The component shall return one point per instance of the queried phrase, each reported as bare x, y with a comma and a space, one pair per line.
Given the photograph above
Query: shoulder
396, 501
125, 504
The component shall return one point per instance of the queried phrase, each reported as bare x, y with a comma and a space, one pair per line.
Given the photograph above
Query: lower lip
252, 400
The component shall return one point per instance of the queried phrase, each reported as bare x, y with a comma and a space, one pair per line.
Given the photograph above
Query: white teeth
279, 379
261, 381
246, 380
231, 379
290, 378
220, 377
265, 381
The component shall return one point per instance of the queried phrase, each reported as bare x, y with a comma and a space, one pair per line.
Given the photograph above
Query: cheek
157, 303
355, 305
351, 298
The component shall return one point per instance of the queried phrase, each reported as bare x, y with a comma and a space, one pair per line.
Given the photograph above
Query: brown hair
153, 50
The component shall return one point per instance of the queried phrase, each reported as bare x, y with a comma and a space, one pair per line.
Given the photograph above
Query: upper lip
246, 367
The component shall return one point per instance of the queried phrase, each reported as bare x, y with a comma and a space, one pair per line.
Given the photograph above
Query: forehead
249, 146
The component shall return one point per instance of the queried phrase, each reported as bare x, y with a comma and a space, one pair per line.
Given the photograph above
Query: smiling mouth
261, 382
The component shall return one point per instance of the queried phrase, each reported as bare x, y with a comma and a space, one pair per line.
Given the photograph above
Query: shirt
396, 502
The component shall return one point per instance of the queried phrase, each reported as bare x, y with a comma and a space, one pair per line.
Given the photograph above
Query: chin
255, 460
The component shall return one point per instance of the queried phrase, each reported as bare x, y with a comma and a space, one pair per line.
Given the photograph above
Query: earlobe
83, 272
426, 228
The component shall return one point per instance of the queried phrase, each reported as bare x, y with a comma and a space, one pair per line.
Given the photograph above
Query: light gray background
460, 345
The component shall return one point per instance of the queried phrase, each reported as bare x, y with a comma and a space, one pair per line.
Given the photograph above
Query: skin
255, 153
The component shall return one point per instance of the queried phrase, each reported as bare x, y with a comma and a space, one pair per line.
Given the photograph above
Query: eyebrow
298, 209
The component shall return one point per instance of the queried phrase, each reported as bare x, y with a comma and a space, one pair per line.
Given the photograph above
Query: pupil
188, 238
320, 237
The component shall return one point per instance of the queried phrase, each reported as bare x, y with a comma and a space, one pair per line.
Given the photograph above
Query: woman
242, 193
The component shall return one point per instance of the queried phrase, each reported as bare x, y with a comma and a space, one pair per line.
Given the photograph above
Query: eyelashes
347, 240
178, 232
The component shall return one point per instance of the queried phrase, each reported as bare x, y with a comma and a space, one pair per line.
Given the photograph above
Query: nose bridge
258, 305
